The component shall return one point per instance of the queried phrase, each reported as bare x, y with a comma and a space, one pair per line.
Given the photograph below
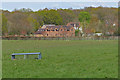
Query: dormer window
53, 30
56, 29
48, 30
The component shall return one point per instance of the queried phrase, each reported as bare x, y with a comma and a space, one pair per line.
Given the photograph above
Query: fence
62, 38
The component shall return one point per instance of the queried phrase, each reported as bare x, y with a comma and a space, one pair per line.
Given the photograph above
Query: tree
4, 25
67, 15
50, 17
93, 19
23, 10
33, 23
84, 18
18, 23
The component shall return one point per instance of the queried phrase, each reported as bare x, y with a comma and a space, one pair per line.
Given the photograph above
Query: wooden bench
26, 54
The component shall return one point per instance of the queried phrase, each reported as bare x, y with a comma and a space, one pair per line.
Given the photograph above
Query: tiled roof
58, 27
42, 30
71, 24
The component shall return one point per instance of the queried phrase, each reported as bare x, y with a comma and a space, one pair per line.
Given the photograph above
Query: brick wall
61, 33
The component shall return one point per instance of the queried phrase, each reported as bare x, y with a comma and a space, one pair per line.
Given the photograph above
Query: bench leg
13, 57
25, 56
39, 56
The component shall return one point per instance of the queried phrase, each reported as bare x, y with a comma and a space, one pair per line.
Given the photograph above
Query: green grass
62, 59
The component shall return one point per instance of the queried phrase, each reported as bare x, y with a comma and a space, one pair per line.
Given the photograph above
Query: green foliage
36, 25
33, 23
95, 19
67, 15
84, 17
4, 24
50, 17
76, 32
24, 10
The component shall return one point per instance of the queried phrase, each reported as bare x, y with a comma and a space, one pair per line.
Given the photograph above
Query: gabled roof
42, 30
71, 24
58, 27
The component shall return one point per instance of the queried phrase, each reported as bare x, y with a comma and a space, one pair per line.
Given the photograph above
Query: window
61, 29
56, 29
42, 30
71, 29
67, 29
47, 30
47, 34
72, 25
77, 25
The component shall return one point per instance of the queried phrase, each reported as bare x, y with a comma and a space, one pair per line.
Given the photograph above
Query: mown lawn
62, 59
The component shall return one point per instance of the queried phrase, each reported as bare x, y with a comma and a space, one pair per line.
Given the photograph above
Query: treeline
26, 22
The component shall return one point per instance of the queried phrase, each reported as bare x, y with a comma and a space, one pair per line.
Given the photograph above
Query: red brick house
76, 25
55, 31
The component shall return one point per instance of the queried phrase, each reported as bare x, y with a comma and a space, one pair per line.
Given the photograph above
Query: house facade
76, 25
55, 31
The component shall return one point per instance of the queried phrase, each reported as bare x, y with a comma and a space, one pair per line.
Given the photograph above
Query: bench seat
39, 55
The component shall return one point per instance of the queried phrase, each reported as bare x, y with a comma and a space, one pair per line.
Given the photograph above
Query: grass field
62, 59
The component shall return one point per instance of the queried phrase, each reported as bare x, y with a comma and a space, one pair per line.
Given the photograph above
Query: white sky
60, 0
37, 4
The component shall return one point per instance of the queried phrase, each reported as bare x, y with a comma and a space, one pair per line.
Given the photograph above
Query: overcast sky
53, 4
59, 0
